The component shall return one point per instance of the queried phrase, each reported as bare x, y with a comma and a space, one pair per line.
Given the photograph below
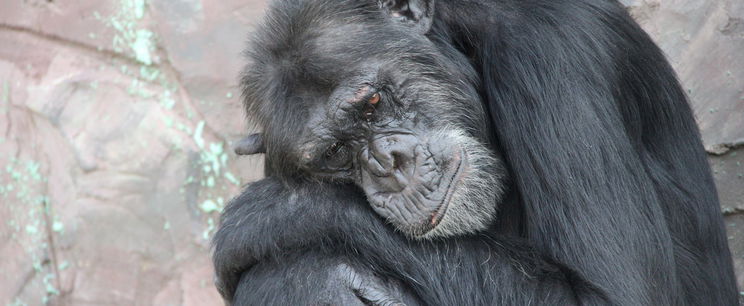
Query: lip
439, 214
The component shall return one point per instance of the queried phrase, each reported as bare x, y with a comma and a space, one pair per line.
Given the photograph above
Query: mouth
456, 177
412, 187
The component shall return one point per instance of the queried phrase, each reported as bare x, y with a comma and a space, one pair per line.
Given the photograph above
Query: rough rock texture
116, 119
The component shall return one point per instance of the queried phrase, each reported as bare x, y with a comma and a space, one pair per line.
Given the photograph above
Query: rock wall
116, 117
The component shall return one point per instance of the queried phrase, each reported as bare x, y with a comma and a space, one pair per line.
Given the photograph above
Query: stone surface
116, 117
728, 170
704, 41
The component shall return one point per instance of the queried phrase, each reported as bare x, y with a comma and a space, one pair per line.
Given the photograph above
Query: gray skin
391, 113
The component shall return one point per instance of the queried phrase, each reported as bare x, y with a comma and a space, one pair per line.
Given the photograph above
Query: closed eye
334, 149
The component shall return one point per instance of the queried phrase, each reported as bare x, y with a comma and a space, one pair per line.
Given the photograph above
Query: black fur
612, 200
338, 226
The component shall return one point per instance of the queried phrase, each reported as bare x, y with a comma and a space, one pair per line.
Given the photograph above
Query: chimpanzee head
354, 91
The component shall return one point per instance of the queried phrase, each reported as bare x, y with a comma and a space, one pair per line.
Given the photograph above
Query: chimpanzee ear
250, 145
416, 13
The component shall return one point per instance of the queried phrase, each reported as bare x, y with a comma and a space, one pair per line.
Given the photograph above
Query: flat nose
389, 153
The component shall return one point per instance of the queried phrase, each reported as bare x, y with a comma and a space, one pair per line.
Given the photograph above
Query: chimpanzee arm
317, 278
270, 222
269, 219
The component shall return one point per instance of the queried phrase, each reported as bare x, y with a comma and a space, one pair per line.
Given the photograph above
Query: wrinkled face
362, 96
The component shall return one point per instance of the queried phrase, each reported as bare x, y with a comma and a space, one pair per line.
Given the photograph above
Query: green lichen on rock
213, 177
139, 8
230, 177
129, 34
142, 45
24, 189
17, 302
209, 230
198, 137
209, 206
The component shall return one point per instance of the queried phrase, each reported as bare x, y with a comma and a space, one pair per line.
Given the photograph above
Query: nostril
398, 160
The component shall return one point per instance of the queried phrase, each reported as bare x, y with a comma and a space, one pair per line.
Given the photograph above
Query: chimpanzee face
367, 98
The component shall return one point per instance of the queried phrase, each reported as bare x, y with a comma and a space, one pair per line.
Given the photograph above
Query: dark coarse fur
339, 227
611, 200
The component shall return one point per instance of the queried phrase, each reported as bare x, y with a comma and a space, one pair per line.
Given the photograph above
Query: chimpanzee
470, 152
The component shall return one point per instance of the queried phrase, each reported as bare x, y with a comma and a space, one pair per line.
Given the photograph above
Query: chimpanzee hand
317, 278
